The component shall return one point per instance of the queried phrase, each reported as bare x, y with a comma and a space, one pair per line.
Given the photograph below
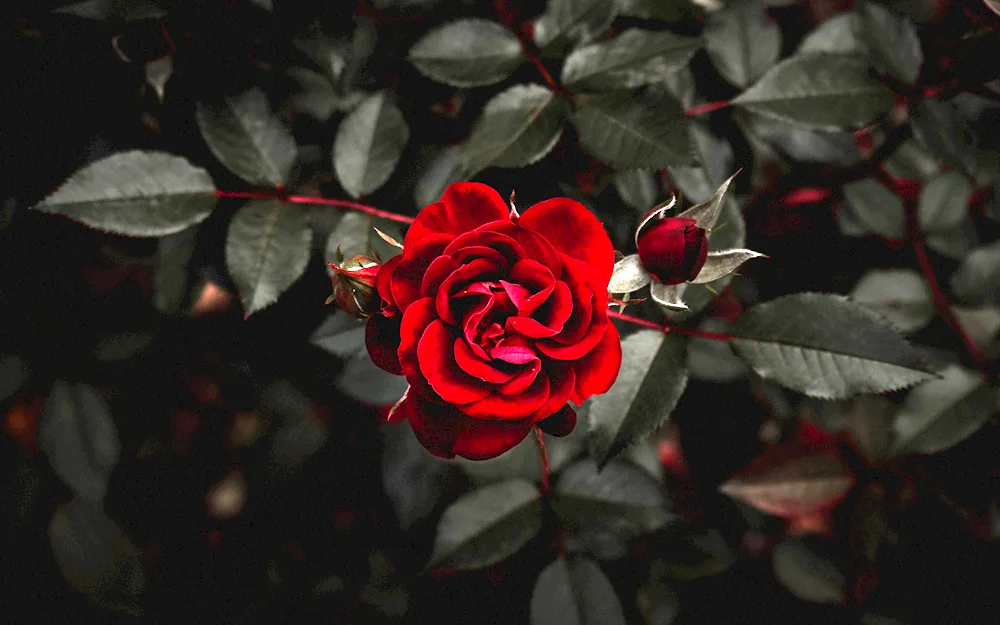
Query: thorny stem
528, 46
941, 302
322, 201
669, 329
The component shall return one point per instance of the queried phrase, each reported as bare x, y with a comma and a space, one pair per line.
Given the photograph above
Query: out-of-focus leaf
790, 480
892, 39
96, 558
319, 97
487, 525
413, 478
657, 600
652, 378
900, 295
575, 591
344, 336
79, 438
804, 144
158, 72
693, 551
712, 360
141, 194
267, 249
715, 156
743, 42
867, 418
664, 10
601, 509
944, 202
350, 235
638, 188
517, 127
572, 21
804, 566
171, 270
623, 130
467, 53
13, 372
444, 169
114, 9
941, 413
981, 324
912, 160
632, 59
870, 208
955, 242
294, 443
977, 280
368, 145
248, 138
822, 91
826, 346
870, 531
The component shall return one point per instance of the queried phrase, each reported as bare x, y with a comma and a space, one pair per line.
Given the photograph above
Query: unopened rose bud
354, 285
673, 249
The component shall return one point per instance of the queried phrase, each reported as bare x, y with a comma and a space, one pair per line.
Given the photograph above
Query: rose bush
673, 249
496, 320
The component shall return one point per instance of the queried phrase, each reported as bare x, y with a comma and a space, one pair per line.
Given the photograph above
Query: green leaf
575, 591
601, 509
716, 158
900, 295
942, 413
826, 346
743, 42
839, 34
652, 378
247, 138
940, 128
805, 566
96, 558
977, 280
723, 263
566, 22
79, 439
663, 10
694, 551
170, 270
656, 598
638, 188
711, 360
803, 144
944, 202
628, 275
13, 373
447, 167
360, 378
413, 478
267, 249
821, 90
632, 59
892, 39
141, 194
350, 235
368, 145
487, 525
871, 208
467, 53
517, 127
625, 130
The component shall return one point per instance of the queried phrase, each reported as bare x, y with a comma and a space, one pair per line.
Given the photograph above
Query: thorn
513, 209
709, 287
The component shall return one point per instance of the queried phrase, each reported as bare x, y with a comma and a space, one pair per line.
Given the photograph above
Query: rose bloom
673, 249
496, 320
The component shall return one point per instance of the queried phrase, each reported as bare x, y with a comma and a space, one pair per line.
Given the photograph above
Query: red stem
707, 107
702, 334
558, 540
322, 201
528, 46
940, 299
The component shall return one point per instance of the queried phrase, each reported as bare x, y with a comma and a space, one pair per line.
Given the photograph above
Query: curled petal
524, 378
415, 320
439, 269
534, 245
597, 371
382, 341
562, 383
574, 231
383, 284
436, 358
471, 363
500, 406
464, 207
483, 237
478, 270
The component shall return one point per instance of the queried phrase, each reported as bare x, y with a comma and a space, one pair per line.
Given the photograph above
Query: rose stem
560, 543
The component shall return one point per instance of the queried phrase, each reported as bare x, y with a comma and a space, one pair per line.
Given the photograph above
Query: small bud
673, 249
354, 285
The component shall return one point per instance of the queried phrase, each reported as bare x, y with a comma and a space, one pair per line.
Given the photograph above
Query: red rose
496, 320
673, 249
354, 284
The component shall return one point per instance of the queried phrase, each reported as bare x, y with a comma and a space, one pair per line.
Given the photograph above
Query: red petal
598, 370
503, 244
524, 378
383, 283
574, 231
409, 273
499, 406
482, 439
437, 427
561, 423
436, 357
528, 327
464, 207
415, 320
382, 341
439, 269
562, 383
475, 366
478, 270
534, 245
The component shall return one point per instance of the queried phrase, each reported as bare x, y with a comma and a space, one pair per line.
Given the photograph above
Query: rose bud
354, 285
673, 250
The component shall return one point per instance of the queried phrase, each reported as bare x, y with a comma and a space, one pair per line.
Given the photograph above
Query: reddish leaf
791, 480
